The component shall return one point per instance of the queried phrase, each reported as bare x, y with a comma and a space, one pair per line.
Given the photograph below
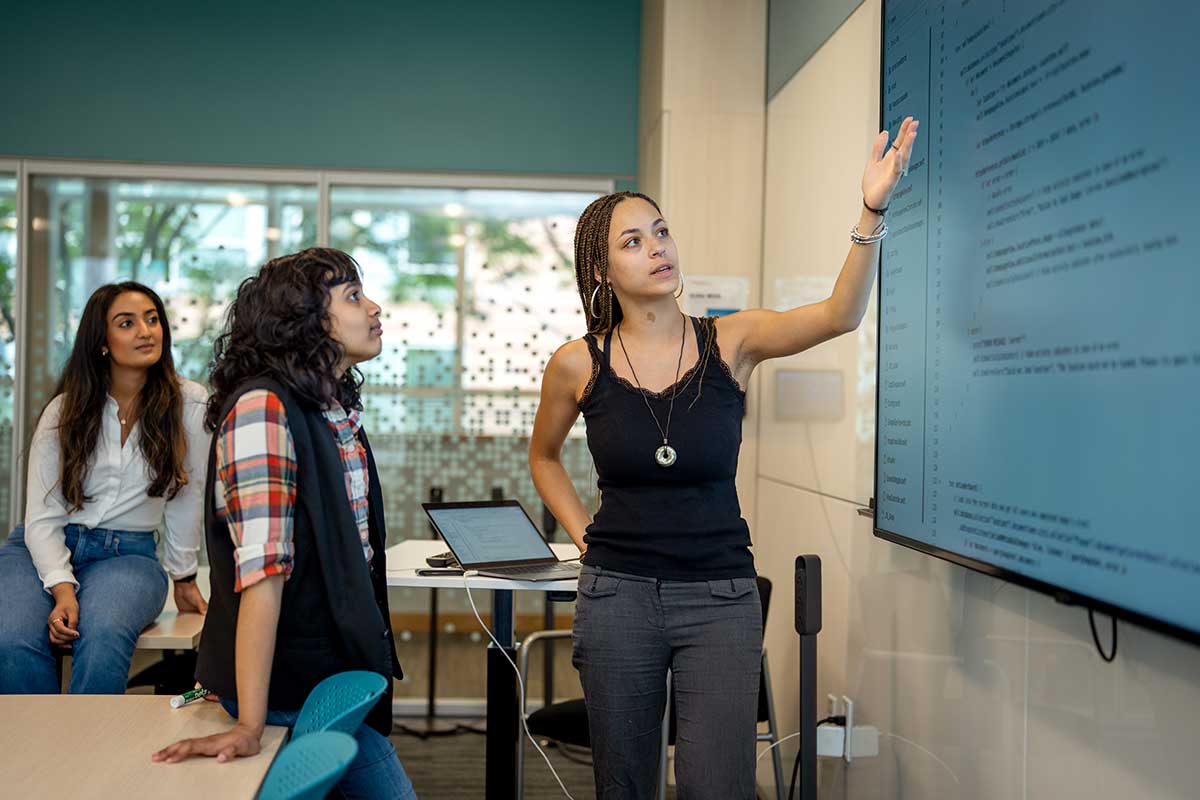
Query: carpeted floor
452, 767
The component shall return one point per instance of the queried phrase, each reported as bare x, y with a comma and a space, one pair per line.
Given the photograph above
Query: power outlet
831, 741
847, 741
864, 742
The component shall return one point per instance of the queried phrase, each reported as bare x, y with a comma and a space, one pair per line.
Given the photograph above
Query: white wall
999, 691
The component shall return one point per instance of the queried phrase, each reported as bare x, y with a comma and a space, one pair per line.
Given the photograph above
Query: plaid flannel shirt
256, 482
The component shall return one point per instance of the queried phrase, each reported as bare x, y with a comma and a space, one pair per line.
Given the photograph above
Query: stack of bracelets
881, 230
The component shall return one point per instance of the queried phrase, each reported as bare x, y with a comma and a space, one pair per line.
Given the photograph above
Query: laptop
496, 538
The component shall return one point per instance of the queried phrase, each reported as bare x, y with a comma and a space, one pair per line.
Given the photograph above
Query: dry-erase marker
181, 700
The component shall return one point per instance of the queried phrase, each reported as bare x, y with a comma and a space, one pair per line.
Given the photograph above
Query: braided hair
591, 256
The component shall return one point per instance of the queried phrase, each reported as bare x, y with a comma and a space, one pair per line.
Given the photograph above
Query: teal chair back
339, 703
308, 768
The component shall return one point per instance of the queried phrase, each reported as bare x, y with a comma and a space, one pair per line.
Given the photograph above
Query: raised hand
888, 163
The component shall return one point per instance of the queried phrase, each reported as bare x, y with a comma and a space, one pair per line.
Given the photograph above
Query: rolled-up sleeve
256, 486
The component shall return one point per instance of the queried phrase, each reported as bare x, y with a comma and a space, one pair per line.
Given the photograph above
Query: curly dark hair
84, 387
278, 327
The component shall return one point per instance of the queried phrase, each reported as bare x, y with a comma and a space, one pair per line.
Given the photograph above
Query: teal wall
795, 30
531, 86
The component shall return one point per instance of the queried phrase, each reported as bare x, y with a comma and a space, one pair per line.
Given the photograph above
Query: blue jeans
375, 773
122, 589
629, 630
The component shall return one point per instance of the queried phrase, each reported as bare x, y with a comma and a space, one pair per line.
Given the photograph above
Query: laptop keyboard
517, 573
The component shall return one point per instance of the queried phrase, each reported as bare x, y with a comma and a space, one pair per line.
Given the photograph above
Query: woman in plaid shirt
294, 514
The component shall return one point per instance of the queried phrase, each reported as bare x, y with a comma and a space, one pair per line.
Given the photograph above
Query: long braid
591, 256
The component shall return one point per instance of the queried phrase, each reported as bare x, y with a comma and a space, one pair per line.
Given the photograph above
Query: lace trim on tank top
709, 331
591, 384
665, 394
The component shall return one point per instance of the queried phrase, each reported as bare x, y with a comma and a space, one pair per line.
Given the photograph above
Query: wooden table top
85, 746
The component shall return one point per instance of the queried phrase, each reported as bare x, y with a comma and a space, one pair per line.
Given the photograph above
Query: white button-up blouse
117, 482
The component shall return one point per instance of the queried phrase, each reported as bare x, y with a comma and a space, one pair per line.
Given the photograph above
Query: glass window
190, 241
8, 333
478, 290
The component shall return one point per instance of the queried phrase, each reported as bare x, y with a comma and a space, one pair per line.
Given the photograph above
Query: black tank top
681, 522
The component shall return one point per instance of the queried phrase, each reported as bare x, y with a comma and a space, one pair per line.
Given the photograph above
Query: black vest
334, 615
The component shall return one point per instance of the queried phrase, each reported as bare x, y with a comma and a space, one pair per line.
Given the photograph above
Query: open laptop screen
489, 533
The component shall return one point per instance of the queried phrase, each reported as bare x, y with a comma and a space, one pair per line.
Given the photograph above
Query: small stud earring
104, 351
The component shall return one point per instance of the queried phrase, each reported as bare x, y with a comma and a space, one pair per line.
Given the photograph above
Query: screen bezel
549, 558
1060, 593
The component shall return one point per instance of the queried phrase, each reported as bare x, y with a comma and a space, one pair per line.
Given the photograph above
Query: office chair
339, 703
567, 722
308, 768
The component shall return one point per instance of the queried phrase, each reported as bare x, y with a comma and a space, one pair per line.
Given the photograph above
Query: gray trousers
629, 630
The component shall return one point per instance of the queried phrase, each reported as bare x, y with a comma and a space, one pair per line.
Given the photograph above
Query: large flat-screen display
1039, 305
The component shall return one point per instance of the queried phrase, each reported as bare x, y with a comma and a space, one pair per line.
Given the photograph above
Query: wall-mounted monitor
1039, 305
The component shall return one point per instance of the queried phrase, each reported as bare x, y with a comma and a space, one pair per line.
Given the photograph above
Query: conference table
503, 709
99, 746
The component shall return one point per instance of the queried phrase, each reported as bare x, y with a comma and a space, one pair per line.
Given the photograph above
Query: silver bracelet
880, 231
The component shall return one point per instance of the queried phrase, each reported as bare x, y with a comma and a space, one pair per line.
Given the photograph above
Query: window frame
26, 169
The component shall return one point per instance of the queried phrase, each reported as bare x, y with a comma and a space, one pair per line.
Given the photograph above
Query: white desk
172, 631
404, 559
503, 712
175, 631
99, 746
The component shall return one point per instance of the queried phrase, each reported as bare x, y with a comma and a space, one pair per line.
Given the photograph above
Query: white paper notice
713, 295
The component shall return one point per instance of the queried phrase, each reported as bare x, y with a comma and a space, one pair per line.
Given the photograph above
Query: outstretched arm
759, 334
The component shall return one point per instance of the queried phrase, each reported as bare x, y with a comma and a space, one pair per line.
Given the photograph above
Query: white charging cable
504, 652
776, 744
927, 752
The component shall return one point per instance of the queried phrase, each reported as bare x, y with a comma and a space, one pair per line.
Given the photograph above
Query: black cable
837, 719
795, 772
1096, 637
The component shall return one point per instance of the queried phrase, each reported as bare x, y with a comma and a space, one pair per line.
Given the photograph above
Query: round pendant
665, 455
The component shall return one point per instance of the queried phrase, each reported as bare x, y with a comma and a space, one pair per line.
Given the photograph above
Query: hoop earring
680, 285
592, 304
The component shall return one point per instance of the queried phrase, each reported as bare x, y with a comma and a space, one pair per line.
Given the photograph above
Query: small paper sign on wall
713, 295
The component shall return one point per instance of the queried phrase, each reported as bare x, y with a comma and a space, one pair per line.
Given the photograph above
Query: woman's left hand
237, 742
885, 169
188, 598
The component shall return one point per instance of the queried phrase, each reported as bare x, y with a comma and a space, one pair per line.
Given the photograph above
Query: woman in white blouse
118, 454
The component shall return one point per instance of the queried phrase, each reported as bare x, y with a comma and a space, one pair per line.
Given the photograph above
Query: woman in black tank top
668, 581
